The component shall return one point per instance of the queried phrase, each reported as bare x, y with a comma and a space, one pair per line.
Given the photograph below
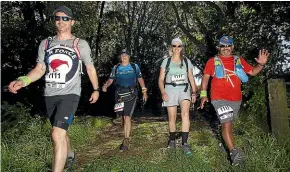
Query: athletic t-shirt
63, 65
221, 88
176, 73
125, 75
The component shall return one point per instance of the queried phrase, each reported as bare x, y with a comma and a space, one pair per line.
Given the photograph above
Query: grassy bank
26, 146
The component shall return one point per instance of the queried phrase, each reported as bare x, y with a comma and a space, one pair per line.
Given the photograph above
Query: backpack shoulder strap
76, 42
46, 47
186, 64
47, 43
116, 67
133, 65
168, 63
237, 60
167, 66
217, 61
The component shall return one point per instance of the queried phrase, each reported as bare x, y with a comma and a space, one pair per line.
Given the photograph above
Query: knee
185, 115
58, 135
227, 126
171, 118
127, 118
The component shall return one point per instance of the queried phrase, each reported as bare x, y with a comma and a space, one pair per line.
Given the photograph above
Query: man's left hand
145, 97
193, 98
263, 57
94, 97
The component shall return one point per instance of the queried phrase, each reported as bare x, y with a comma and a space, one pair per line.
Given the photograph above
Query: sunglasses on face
177, 46
223, 46
63, 18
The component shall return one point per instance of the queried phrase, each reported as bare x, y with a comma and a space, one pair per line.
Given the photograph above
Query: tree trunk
98, 38
279, 112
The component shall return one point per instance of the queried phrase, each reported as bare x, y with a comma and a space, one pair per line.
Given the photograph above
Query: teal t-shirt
176, 73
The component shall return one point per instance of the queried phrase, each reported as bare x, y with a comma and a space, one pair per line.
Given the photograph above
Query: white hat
176, 40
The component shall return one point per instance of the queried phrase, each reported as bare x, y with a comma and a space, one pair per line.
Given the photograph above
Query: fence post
279, 113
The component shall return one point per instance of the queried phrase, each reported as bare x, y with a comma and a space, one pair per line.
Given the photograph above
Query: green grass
27, 146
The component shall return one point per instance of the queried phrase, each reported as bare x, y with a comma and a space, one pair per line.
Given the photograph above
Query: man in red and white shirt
225, 91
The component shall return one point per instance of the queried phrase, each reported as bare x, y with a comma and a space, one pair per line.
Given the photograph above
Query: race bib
225, 112
178, 79
119, 107
55, 80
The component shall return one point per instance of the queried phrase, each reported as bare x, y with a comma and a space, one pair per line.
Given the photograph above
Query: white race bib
225, 112
55, 78
119, 107
178, 79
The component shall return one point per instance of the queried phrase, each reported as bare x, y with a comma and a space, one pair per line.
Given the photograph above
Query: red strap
46, 44
76, 48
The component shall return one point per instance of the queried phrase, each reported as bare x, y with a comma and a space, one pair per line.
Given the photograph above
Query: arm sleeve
85, 52
112, 75
246, 66
209, 67
41, 52
138, 71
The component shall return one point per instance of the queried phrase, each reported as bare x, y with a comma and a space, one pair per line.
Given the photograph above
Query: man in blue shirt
126, 75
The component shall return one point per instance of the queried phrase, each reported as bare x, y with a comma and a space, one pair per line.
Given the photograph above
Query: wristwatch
98, 89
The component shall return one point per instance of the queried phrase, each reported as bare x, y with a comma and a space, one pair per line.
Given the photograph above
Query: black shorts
129, 106
61, 109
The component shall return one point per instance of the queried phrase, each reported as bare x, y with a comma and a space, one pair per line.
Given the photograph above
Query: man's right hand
164, 96
203, 100
14, 86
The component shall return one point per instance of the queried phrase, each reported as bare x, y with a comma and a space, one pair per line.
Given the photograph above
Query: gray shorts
226, 110
175, 96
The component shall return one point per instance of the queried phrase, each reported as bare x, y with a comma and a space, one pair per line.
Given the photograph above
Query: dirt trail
106, 144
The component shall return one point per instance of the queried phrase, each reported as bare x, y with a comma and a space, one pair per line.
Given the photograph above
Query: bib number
178, 79
225, 112
119, 107
55, 80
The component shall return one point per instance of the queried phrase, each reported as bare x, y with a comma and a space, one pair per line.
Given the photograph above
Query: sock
172, 135
71, 154
184, 136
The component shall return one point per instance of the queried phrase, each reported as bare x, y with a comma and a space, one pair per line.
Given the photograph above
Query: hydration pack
220, 71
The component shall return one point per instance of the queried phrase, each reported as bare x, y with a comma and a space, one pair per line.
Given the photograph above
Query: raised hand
263, 57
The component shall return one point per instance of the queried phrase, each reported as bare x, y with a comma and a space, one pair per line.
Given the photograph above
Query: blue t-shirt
125, 75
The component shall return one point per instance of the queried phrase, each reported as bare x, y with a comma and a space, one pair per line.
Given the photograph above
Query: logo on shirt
63, 65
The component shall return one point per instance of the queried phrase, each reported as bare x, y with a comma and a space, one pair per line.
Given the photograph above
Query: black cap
124, 51
64, 9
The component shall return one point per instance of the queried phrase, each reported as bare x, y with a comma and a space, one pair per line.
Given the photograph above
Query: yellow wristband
203, 93
25, 80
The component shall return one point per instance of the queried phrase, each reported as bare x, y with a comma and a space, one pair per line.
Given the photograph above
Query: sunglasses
177, 46
63, 18
223, 46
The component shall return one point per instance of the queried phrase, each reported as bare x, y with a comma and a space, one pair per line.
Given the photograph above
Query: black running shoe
70, 162
125, 145
237, 157
171, 144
